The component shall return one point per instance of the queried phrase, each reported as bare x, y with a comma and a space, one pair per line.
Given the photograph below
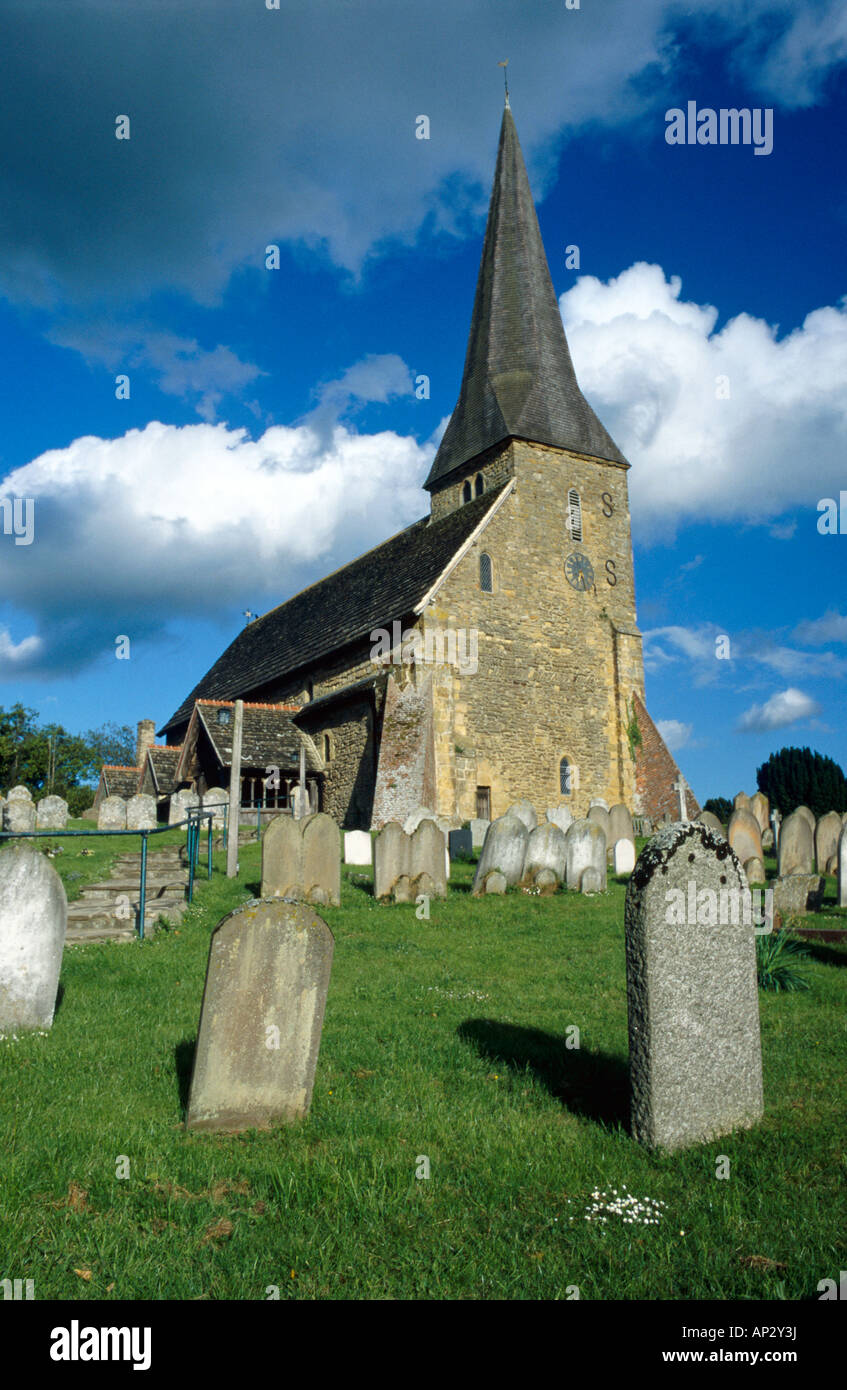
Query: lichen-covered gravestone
525, 811
586, 850
694, 1048
598, 815
141, 812
796, 845
708, 818
760, 806
503, 854
179, 804
545, 853
302, 859
33, 919
19, 815
216, 800
561, 816
841, 872
112, 814
51, 813
827, 832
261, 1019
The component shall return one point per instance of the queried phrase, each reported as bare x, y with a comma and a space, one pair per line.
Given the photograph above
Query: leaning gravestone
141, 812
545, 853
624, 856
302, 859
709, 819
51, 813
796, 845
561, 816
358, 847
261, 1019
585, 849
525, 811
112, 814
841, 872
504, 852
827, 832
744, 836
33, 919
479, 827
19, 816
694, 1046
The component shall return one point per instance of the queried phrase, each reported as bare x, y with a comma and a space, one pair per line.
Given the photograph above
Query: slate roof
518, 378
384, 584
268, 737
120, 781
163, 761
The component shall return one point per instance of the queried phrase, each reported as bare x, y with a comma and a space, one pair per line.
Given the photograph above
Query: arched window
479, 485
486, 576
565, 786
466, 491
327, 748
574, 515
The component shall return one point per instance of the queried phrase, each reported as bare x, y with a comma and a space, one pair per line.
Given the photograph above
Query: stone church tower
490, 651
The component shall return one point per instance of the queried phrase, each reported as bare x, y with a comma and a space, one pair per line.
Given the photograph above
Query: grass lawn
444, 1038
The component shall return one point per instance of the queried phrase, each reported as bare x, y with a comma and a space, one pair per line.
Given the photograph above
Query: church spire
518, 379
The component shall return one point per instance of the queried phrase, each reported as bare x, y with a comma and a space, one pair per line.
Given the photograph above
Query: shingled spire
518, 379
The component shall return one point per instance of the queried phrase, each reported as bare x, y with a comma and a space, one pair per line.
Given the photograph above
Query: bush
776, 957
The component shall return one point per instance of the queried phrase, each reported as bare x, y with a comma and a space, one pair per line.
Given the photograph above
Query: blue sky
272, 431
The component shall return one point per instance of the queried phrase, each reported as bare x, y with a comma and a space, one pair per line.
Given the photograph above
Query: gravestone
479, 828
141, 812
321, 860
767, 839
624, 856
585, 849
405, 866
19, 793
776, 821
545, 853
504, 850
841, 873
760, 807
709, 819
414, 819
797, 894
796, 845
302, 859
561, 816
33, 920
598, 801
179, 804
592, 881
358, 847
525, 811
261, 1018
112, 814
459, 842
51, 813
19, 816
215, 799
620, 824
742, 802
694, 1045
598, 815
744, 836
808, 816
754, 871
827, 832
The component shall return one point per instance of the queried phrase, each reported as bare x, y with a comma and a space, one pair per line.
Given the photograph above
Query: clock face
579, 571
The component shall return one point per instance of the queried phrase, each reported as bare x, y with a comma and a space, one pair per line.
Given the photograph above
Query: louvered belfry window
486, 577
466, 491
479, 485
565, 777
574, 515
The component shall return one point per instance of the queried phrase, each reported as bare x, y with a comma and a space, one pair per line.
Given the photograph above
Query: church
489, 652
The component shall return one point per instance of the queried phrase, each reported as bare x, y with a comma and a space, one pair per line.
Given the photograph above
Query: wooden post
301, 799
234, 792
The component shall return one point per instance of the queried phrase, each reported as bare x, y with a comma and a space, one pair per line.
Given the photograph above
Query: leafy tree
48, 759
720, 807
798, 777
112, 743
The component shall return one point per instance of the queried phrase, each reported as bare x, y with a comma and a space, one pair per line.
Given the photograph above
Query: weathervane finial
504, 66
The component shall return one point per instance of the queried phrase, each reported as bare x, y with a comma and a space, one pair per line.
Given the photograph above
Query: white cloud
788, 707
675, 733
165, 523
649, 362
832, 627
15, 655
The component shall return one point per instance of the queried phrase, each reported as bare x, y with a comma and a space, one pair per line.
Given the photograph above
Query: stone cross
679, 788
776, 820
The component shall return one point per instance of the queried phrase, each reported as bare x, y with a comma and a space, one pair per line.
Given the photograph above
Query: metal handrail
193, 818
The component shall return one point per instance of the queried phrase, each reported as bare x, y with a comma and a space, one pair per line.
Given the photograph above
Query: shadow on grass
594, 1084
184, 1059
821, 952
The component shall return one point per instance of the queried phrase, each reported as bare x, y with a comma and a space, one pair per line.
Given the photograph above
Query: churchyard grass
84, 859
442, 1038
